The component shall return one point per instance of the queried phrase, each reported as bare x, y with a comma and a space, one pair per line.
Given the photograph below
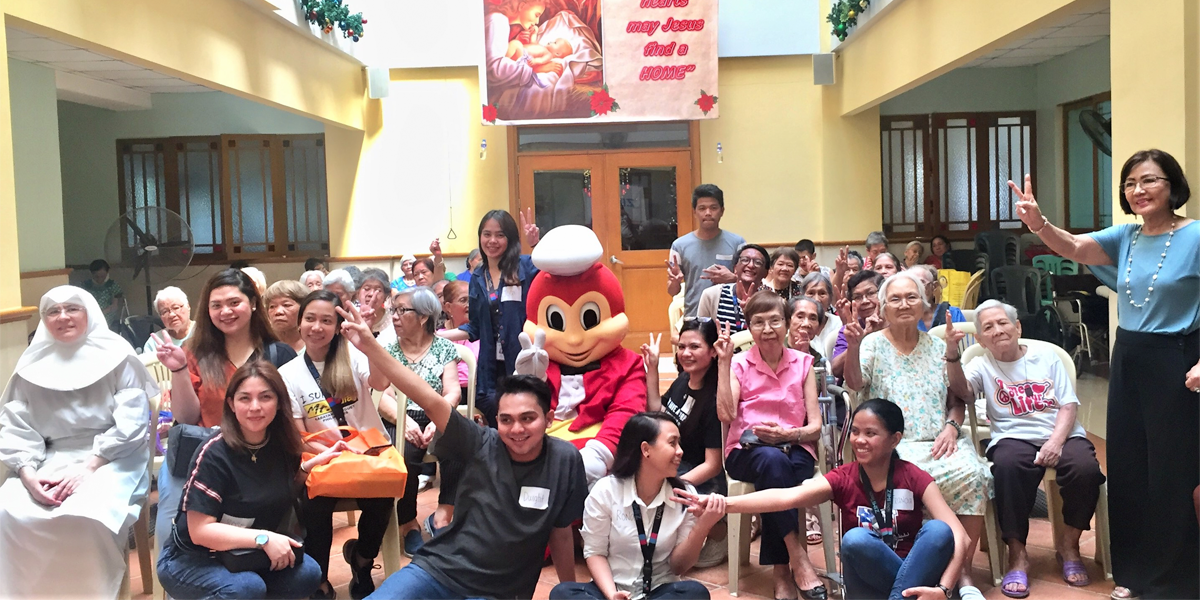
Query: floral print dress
918, 384
430, 367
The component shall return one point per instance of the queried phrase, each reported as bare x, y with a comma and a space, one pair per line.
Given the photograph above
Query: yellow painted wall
10, 287
416, 168
918, 40
225, 44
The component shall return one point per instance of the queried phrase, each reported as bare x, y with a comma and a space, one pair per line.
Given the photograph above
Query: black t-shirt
227, 484
495, 546
696, 411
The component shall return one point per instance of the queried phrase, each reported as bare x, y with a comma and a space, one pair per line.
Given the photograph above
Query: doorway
636, 201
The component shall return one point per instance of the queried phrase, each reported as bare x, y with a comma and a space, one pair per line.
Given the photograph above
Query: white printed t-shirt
1023, 396
309, 404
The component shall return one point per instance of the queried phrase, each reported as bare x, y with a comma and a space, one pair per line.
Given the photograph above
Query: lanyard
335, 406
647, 544
881, 521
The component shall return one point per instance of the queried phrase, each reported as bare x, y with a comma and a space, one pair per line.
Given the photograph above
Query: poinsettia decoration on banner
706, 102
489, 113
602, 103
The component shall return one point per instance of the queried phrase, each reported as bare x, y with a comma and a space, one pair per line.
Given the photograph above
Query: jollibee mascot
575, 323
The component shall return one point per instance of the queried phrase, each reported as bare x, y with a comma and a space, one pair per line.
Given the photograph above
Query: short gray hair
932, 270
172, 293
909, 275
815, 277
821, 317
378, 275
340, 277
426, 303
307, 274
876, 237
1010, 311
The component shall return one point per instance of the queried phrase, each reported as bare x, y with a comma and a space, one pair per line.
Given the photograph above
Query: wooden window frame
979, 121
1066, 108
280, 248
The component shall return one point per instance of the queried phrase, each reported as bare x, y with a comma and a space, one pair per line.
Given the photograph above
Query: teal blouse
1174, 306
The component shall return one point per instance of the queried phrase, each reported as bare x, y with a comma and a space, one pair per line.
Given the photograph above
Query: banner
575, 61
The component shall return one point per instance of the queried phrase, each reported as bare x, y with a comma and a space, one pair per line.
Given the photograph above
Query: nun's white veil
50, 364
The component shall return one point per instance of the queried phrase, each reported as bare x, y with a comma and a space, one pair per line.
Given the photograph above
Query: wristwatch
260, 540
945, 590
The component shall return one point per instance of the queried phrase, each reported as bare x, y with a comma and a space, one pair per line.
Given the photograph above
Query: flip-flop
1016, 576
1075, 567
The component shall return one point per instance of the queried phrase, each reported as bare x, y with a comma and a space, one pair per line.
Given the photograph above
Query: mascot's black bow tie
569, 370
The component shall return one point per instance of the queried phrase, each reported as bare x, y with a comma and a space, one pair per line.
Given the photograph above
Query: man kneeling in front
520, 490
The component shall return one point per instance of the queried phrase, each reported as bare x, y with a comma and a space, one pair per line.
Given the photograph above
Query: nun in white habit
74, 427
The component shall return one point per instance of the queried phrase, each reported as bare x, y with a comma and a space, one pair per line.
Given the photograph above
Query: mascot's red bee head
576, 300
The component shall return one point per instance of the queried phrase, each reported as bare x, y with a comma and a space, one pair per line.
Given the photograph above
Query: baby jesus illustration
538, 54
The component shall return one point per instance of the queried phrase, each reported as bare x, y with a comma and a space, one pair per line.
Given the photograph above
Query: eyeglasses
401, 311
174, 308
1148, 183
697, 319
746, 260
903, 300
71, 310
758, 325
863, 297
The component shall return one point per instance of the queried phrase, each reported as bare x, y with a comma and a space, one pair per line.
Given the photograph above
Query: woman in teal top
1154, 387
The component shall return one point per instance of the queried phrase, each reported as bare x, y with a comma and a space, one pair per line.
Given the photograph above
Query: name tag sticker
724, 257
536, 498
903, 499
510, 293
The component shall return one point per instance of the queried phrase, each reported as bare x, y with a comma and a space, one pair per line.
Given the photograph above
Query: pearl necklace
1129, 265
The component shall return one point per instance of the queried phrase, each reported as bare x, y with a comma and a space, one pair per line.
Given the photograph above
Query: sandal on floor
813, 535
1122, 593
1073, 567
1018, 577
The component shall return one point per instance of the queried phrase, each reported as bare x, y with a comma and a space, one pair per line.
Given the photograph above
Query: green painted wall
36, 163
88, 138
1078, 74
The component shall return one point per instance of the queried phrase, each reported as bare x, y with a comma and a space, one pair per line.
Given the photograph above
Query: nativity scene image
543, 58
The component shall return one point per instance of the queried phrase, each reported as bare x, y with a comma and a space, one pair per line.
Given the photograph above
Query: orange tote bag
374, 468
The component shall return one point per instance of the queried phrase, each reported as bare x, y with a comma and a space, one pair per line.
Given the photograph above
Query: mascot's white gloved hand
532, 359
597, 459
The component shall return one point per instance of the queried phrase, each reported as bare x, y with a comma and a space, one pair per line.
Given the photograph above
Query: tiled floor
1045, 576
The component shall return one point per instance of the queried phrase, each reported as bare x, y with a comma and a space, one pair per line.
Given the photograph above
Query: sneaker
413, 542
713, 553
424, 482
361, 584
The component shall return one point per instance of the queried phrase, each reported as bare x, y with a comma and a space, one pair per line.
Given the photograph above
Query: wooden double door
636, 202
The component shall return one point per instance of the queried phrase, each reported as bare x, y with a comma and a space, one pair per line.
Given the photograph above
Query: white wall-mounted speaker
378, 82
823, 71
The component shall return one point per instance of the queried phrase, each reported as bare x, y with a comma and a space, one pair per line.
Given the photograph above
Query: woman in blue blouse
497, 301
1154, 387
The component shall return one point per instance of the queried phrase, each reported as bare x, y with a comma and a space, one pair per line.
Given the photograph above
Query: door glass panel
562, 198
649, 219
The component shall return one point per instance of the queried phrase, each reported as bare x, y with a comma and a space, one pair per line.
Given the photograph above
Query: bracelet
1045, 222
957, 427
183, 368
952, 360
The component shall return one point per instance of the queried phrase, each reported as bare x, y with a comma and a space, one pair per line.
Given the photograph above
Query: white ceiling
1076, 31
62, 57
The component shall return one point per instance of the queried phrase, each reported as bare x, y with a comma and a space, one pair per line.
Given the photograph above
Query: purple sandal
1018, 577
1075, 568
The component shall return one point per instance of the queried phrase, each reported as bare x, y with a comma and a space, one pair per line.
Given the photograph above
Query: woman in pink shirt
768, 396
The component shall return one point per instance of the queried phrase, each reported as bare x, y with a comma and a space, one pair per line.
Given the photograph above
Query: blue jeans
413, 583
187, 574
676, 590
872, 570
169, 489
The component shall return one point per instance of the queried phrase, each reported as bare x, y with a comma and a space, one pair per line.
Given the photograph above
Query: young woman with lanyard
497, 301
625, 562
886, 550
329, 386
231, 330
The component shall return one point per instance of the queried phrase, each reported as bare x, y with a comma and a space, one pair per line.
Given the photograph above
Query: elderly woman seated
313, 280
340, 282
861, 307
73, 436
886, 264
907, 366
768, 396
936, 315
725, 302
176, 315
784, 263
818, 287
374, 302
283, 300
1032, 407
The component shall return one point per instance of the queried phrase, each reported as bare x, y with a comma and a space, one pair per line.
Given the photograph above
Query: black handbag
252, 559
182, 442
748, 440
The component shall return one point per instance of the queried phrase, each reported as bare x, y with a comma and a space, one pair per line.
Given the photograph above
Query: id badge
510, 293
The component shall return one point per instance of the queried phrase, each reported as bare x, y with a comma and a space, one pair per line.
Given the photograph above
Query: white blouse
609, 531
